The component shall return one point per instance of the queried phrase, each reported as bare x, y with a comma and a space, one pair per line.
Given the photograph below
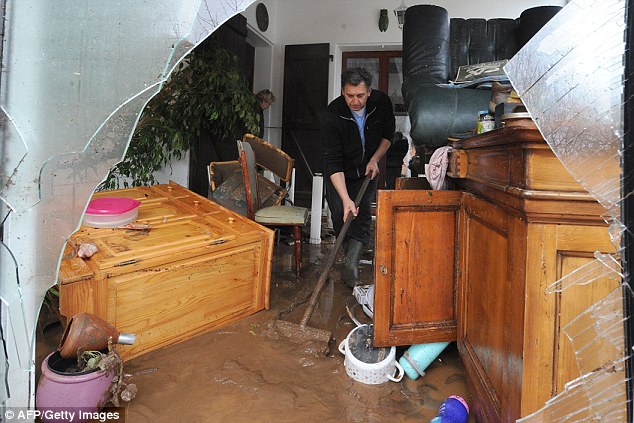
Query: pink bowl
112, 205
110, 212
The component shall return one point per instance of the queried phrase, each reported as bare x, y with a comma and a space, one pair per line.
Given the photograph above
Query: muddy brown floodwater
247, 372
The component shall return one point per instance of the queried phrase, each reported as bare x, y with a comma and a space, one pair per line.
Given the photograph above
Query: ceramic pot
60, 396
367, 364
87, 332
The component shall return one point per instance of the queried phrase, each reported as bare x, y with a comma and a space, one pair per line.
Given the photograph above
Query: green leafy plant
89, 360
206, 93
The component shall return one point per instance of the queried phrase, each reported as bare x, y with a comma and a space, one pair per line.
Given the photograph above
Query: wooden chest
198, 266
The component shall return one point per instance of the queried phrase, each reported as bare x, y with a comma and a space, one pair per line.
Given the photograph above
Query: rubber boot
350, 271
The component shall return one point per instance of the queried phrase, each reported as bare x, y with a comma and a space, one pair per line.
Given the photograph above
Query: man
265, 99
357, 129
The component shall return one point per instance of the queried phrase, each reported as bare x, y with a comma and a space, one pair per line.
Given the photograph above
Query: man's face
356, 95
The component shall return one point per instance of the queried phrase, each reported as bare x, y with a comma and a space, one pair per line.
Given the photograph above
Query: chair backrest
249, 173
220, 172
271, 157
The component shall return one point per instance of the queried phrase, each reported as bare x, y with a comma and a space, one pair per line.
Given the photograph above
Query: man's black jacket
343, 150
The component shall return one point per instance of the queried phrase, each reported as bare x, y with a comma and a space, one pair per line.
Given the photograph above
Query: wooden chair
272, 216
227, 187
271, 158
220, 172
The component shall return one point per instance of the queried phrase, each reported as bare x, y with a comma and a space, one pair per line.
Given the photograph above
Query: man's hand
348, 207
372, 169
339, 182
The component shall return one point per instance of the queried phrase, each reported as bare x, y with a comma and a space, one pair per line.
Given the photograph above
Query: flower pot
61, 396
87, 332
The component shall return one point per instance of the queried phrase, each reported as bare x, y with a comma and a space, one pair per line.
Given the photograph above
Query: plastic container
58, 391
486, 122
364, 295
418, 357
111, 212
367, 364
453, 410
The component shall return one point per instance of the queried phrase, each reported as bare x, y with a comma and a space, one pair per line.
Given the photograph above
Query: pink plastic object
60, 394
110, 212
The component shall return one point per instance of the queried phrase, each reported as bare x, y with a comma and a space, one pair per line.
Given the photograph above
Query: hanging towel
438, 168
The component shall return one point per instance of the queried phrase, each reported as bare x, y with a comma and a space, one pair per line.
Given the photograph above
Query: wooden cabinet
199, 266
473, 265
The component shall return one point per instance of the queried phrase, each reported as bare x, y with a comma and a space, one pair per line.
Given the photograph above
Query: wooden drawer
510, 157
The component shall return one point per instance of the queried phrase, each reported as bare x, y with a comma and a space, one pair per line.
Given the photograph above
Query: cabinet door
490, 300
415, 267
555, 251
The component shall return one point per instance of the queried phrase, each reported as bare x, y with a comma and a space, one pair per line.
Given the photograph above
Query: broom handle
331, 258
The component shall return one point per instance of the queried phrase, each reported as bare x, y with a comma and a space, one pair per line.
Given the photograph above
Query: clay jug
87, 332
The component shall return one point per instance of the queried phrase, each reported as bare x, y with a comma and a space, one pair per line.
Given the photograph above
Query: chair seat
282, 215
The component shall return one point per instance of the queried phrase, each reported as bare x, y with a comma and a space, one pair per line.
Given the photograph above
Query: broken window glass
570, 78
75, 78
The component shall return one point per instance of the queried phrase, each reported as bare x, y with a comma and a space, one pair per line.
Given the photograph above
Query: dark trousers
361, 225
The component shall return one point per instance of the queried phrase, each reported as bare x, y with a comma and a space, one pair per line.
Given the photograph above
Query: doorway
232, 36
305, 97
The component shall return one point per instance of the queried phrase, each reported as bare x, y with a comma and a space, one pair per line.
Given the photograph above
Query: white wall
266, 73
353, 24
346, 25
490, 8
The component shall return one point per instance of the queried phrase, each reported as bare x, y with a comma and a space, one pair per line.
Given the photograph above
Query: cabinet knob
383, 269
196, 202
231, 219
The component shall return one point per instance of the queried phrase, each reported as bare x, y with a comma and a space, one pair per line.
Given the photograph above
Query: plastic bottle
453, 410
418, 357
486, 122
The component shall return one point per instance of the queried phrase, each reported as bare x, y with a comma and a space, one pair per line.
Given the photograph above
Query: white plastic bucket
379, 365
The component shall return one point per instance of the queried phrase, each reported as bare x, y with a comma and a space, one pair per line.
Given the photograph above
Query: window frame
384, 57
